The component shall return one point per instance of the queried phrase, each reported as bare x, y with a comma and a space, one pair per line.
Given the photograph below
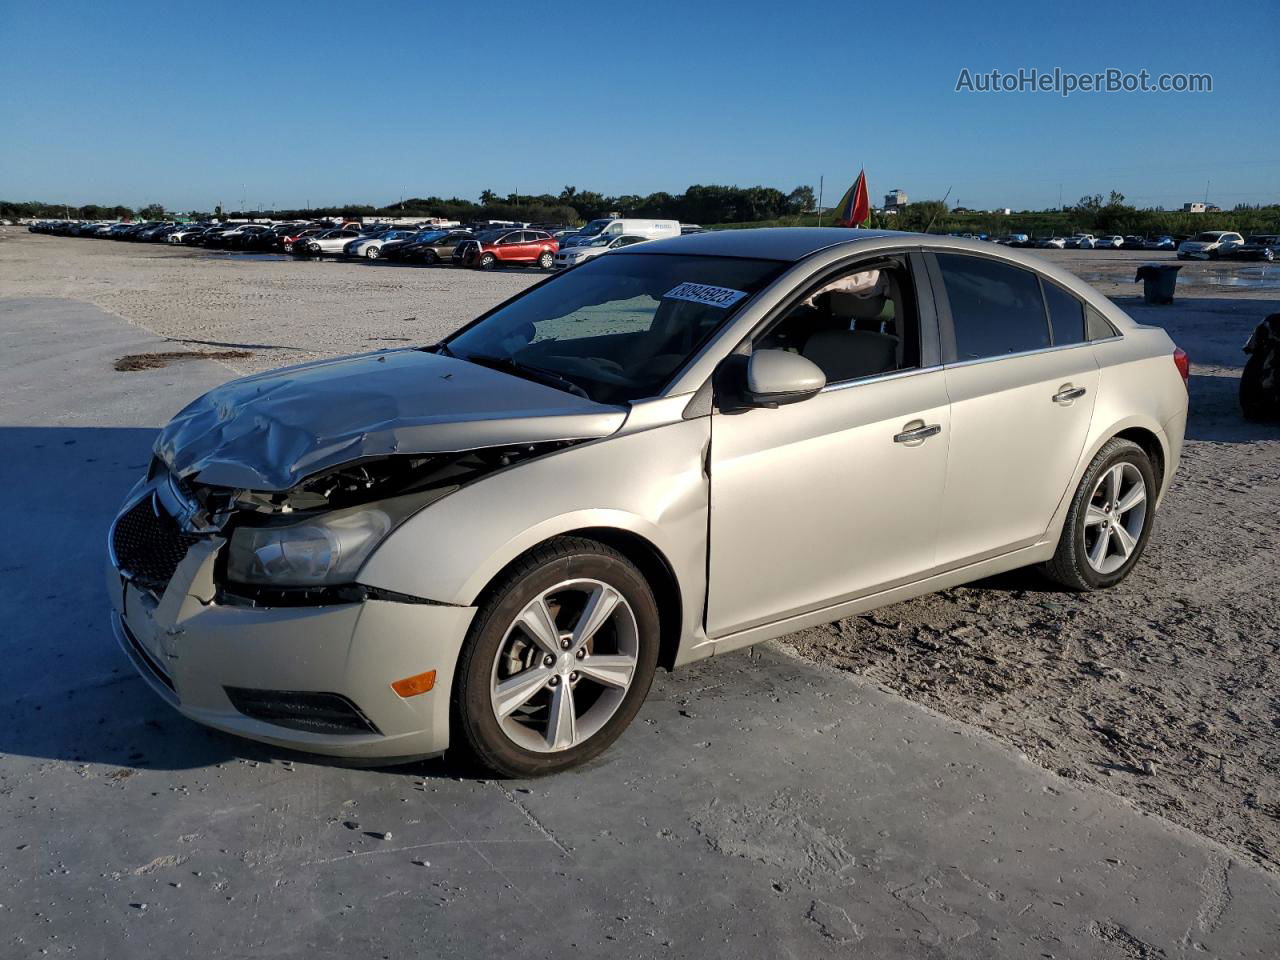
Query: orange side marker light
418, 683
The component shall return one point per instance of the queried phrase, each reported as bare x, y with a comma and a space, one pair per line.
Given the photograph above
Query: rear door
1022, 392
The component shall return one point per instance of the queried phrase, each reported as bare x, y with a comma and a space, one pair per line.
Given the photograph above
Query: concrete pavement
759, 805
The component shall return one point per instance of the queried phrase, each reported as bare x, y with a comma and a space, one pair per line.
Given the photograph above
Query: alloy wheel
1114, 517
564, 665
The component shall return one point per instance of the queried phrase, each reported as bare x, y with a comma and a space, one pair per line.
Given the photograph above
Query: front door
836, 496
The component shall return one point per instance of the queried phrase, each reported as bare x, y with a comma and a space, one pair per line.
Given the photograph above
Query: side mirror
775, 377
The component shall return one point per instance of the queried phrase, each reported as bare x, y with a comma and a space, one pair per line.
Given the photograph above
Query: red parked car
302, 233
513, 246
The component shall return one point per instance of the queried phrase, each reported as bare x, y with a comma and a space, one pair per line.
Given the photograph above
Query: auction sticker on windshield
721, 297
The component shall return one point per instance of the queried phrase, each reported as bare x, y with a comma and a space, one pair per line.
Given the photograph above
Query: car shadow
69, 693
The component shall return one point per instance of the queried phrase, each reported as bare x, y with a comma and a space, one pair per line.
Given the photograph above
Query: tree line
714, 205
1090, 214
705, 204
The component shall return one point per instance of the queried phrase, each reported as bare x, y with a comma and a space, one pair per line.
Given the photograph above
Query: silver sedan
490, 544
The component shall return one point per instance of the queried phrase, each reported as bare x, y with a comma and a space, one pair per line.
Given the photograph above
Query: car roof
774, 243
792, 244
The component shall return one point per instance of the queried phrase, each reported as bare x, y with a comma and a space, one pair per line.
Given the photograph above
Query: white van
649, 229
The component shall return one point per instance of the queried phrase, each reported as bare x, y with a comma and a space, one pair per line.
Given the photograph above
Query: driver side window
860, 323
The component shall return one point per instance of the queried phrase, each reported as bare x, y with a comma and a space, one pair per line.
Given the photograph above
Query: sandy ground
1163, 691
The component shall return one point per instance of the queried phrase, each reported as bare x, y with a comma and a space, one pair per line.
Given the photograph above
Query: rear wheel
558, 660
1109, 520
547, 260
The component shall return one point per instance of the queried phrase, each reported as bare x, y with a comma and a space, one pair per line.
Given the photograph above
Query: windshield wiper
527, 371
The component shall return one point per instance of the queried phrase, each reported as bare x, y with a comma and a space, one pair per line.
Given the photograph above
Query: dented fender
649, 483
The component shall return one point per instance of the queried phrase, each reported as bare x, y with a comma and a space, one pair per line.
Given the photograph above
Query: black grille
148, 544
301, 710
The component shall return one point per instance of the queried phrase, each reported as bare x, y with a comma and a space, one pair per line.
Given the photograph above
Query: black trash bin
1158, 281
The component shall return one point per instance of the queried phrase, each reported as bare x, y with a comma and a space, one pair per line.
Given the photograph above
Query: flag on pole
854, 207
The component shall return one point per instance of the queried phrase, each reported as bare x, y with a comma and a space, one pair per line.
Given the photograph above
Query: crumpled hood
272, 430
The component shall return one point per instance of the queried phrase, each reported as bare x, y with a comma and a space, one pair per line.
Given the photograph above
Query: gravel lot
1163, 691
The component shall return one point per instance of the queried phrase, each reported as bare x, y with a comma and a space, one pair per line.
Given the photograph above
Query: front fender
650, 483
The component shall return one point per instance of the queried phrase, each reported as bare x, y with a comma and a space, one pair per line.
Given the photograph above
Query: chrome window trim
880, 377
1024, 353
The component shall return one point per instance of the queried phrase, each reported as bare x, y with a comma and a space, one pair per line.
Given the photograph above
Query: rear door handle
1069, 393
916, 434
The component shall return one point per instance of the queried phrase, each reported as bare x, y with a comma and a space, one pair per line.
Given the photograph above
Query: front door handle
916, 434
1069, 393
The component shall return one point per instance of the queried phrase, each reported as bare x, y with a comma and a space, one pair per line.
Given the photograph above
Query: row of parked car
1207, 245
484, 246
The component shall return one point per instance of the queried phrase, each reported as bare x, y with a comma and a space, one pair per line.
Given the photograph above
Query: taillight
1183, 363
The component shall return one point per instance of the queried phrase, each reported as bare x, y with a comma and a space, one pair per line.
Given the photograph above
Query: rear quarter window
1099, 327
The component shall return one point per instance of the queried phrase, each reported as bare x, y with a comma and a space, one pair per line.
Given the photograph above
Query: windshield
617, 328
594, 228
1208, 237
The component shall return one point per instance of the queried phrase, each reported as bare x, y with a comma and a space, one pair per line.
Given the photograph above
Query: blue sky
283, 104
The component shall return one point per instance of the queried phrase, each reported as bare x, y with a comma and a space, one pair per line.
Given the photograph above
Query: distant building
1003, 211
894, 199
1195, 206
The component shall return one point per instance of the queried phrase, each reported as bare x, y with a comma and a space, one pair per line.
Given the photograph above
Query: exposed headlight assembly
323, 550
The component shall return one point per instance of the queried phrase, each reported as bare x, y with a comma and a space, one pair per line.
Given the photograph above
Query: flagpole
819, 200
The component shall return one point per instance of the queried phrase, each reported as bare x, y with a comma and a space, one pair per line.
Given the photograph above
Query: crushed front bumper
192, 650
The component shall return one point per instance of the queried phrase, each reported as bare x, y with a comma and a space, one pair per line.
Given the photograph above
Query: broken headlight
325, 549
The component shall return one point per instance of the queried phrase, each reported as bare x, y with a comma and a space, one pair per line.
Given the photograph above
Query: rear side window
995, 308
1066, 315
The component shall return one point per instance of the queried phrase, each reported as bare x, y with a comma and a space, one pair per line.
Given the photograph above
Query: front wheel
558, 660
488, 261
430, 258
1109, 520
372, 253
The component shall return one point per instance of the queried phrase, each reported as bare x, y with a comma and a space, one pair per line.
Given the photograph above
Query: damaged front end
303, 545
305, 470
235, 564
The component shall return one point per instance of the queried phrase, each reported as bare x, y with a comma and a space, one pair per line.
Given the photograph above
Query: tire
1253, 396
547, 260
561, 575
372, 253
487, 261
430, 258
1091, 517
